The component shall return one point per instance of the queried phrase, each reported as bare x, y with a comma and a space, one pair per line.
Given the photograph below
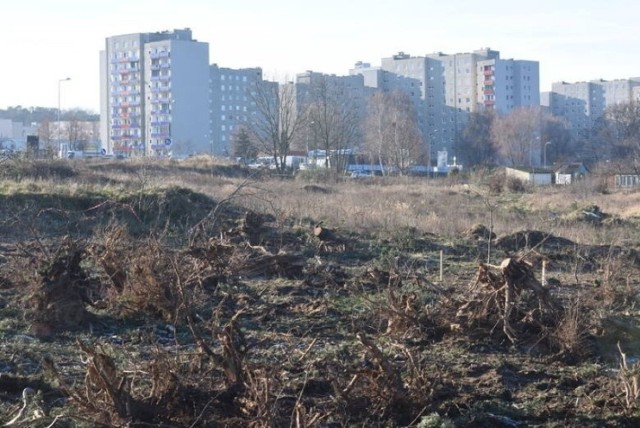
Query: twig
195, 422
306, 351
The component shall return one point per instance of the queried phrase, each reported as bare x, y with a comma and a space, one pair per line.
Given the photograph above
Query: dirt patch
216, 314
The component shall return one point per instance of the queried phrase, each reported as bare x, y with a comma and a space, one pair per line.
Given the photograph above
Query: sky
44, 41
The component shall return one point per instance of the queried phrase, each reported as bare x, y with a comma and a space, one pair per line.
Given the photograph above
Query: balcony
489, 102
488, 72
489, 91
488, 82
161, 54
163, 88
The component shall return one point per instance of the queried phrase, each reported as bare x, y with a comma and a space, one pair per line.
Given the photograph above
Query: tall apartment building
447, 88
581, 104
155, 94
350, 89
348, 93
231, 103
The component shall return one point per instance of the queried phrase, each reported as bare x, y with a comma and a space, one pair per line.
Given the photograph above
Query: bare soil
168, 308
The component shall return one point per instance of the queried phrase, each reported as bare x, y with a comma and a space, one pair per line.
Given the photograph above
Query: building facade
231, 104
155, 94
322, 96
447, 88
581, 104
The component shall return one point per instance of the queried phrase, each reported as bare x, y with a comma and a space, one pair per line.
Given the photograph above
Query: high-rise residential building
581, 104
155, 94
350, 90
231, 103
447, 88
347, 94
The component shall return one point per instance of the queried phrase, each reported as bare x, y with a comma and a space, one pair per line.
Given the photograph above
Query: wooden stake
441, 264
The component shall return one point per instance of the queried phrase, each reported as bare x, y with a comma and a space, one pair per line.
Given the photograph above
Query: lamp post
66, 79
306, 157
545, 152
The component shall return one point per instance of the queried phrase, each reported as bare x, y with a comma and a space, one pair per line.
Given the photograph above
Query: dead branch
389, 372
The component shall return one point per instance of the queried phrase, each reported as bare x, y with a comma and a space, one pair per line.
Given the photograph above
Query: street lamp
306, 157
66, 79
545, 152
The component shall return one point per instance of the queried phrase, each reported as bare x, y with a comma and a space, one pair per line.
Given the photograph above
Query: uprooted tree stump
60, 298
497, 297
328, 239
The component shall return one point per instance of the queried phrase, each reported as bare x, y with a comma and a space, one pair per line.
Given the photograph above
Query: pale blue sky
42, 41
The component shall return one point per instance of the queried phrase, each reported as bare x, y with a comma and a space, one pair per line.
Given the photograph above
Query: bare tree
334, 121
78, 130
46, 132
243, 146
73, 133
376, 135
276, 120
475, 143
518, 136
392, 136
621, 130
557, 139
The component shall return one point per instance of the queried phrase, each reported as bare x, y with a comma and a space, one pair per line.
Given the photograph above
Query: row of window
231, 77
234, 97
125, 43
232, 117
231, 108
230, 87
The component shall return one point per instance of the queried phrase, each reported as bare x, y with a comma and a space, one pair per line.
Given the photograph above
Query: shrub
496, 184
19, 169
515, 185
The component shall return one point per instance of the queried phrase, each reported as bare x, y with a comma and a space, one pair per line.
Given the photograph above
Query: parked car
361, 174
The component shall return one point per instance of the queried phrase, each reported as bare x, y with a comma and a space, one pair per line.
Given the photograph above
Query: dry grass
202, 297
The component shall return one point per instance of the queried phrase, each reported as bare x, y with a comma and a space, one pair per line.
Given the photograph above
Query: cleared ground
196, 294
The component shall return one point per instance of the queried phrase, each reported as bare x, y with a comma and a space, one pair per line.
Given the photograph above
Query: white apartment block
447, 88
155, 94
231, 104
581, 104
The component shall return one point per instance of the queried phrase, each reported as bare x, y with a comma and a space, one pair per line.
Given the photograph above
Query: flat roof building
155, 94
231, 104
447, 88
581, 104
